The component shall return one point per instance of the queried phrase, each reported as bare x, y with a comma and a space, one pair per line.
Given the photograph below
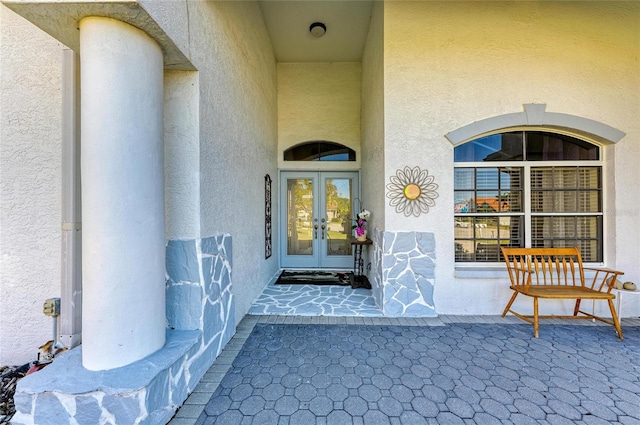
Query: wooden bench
558, 273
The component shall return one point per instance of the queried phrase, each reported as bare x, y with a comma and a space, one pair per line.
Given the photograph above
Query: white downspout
71, 291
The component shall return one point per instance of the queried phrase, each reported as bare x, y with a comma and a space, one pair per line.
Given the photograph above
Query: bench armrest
603, 269
604, 278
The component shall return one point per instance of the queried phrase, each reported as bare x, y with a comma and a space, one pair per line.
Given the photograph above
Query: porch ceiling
288, 24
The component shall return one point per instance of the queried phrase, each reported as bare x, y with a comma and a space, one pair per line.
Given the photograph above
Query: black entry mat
313, 277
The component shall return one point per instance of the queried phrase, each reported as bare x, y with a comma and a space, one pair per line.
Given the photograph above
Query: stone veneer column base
403, 273
200, 312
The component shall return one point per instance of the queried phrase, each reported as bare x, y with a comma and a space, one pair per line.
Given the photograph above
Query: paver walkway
420, 371
313, 300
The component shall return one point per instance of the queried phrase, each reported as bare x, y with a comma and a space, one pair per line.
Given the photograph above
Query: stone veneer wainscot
403, 273
200, 316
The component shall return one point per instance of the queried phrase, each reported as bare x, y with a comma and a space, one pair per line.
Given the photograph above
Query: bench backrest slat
544, 266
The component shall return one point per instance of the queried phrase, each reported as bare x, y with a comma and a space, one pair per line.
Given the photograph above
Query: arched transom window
319, 150
527, 189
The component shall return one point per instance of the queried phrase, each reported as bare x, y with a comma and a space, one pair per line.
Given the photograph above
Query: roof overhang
61, 19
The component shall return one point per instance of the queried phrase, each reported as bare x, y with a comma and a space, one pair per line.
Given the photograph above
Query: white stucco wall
443, 66
318, 101
220, 136
447, 66
230, 47
372, 125
173, 17
182, 154
30, 191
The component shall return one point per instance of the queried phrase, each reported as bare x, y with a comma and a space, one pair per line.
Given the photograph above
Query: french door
316, 219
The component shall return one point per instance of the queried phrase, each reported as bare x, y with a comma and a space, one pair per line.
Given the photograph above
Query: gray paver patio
451, 373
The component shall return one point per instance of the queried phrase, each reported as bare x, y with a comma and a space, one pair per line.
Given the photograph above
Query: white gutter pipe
71, 290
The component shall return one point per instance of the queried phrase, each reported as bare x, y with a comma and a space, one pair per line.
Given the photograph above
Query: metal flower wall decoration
412, 191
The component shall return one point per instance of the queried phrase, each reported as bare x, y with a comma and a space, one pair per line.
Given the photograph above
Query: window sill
497, 271
481, 272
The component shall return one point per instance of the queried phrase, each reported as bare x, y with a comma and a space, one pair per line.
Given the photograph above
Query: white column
123, 247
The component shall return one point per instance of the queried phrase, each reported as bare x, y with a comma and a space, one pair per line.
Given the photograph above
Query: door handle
315, 231
323, 232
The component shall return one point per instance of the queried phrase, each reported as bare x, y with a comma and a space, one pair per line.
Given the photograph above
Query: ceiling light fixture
317, 29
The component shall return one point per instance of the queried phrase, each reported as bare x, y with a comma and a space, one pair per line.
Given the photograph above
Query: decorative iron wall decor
412, 191
267, 217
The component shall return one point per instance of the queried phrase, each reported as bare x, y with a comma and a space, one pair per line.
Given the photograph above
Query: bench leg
616, 320
536, 321
513, 298
577, 307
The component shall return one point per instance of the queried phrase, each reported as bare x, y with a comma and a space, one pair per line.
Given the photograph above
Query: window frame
527, 214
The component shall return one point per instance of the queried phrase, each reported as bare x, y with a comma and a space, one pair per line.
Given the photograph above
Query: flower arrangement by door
360, 226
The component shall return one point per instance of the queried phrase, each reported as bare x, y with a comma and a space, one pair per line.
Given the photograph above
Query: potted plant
360, 225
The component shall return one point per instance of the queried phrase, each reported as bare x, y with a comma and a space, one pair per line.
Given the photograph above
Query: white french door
316, 219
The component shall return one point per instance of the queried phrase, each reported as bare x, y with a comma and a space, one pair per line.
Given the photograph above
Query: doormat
313, 277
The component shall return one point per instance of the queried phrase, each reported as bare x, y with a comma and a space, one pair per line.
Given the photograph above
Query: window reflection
558, 147
540, 146
319, 150
497, 147
564, 205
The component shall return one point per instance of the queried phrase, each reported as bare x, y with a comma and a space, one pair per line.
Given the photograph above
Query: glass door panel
338, 192
299, 216
299, 222
338, 199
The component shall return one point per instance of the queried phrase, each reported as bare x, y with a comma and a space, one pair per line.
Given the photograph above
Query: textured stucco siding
428, 69
173, 17
318, 101
220, 141
372, 124
447, 66
30, 191
230, 47
181, 155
